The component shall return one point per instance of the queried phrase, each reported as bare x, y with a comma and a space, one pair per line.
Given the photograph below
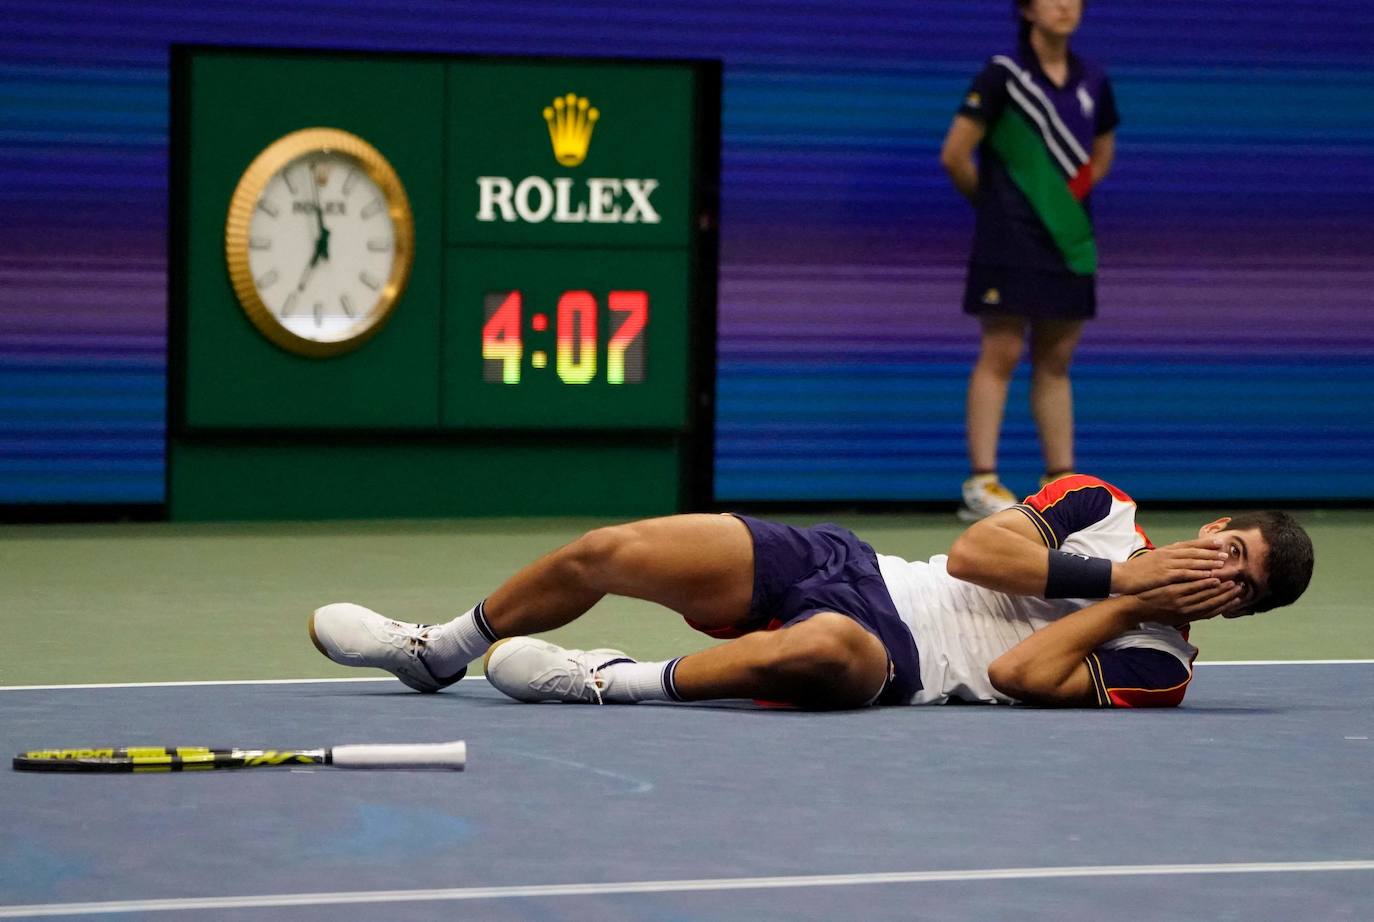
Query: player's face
1247, 562
1059, 18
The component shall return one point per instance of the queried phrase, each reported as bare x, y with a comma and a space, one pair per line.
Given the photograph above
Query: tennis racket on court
451, 756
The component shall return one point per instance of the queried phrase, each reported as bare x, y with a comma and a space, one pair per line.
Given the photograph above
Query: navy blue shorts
800, 572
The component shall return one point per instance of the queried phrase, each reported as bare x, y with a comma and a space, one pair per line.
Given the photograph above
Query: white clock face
322, 247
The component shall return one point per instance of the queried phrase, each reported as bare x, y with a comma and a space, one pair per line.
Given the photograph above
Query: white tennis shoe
534, 670
355, 636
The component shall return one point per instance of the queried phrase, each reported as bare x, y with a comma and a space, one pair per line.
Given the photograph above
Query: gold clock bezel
245, 199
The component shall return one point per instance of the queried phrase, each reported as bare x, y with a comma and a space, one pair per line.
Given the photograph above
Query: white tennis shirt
961, 628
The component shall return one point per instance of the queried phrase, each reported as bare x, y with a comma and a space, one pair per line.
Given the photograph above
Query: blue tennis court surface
1252, 802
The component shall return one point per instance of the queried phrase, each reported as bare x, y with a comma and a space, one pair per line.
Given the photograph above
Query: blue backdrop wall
1233, 357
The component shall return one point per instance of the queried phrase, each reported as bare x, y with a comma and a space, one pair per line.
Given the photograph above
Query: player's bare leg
701, 566
828, 660
1052, 346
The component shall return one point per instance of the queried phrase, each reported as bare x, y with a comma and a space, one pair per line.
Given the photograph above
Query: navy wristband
1074, 576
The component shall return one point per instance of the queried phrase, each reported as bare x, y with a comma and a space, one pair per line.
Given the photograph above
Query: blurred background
1233, 357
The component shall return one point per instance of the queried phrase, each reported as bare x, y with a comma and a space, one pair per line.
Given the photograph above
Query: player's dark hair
1290, 555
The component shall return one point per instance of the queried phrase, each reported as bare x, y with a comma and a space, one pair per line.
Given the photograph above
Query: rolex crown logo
571, 119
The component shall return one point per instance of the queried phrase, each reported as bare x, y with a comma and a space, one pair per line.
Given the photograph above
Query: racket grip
452, 756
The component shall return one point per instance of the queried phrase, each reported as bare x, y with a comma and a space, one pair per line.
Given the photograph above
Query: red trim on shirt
1154, 697
1139, 677
1056, 490
1148, 697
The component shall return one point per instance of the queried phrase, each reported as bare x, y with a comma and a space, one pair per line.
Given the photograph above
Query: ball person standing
1042, 121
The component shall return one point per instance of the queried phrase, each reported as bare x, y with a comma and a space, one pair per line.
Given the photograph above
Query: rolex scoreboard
408, 285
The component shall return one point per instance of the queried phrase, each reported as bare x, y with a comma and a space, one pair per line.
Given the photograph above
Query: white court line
5, 688
472, 678
705, 885
1285, 662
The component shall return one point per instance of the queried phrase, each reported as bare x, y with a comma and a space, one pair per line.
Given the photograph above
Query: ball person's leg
1003, 339
1051, 397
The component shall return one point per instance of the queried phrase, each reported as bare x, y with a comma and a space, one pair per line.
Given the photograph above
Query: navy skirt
1034, 294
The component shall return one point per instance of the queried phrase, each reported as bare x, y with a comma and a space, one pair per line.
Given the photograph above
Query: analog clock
319, 241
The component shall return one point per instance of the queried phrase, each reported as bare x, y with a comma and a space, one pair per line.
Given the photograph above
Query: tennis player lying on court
1060, 600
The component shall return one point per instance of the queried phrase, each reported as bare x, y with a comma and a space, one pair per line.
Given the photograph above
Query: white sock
452, 646
627, 683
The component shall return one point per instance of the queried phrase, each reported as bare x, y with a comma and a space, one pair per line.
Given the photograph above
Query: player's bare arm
1049, 667
1005, 553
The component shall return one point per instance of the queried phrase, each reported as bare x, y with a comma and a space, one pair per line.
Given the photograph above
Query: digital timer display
576, 345
566, 338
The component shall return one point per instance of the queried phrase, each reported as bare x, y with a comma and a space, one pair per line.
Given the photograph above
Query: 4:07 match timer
576, 348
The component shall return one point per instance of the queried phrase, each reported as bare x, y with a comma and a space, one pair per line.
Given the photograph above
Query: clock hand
305, 276
321, 252
322, 242
322, 239
321, 247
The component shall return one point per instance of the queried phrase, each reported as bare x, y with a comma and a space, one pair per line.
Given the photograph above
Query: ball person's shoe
355, 636
528, 669
984, 495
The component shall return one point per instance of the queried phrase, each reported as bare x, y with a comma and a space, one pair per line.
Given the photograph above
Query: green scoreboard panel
436, 285
548, 338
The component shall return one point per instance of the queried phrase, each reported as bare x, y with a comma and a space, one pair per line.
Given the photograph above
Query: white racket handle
452, 756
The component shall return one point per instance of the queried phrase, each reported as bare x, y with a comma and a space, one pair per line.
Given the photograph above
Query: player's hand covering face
1181, 562
1231, 590
1197, 600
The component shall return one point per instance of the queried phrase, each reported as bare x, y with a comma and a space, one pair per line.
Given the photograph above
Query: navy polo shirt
1007, 232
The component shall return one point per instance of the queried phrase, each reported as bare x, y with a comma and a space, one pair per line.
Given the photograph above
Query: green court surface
146, 602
